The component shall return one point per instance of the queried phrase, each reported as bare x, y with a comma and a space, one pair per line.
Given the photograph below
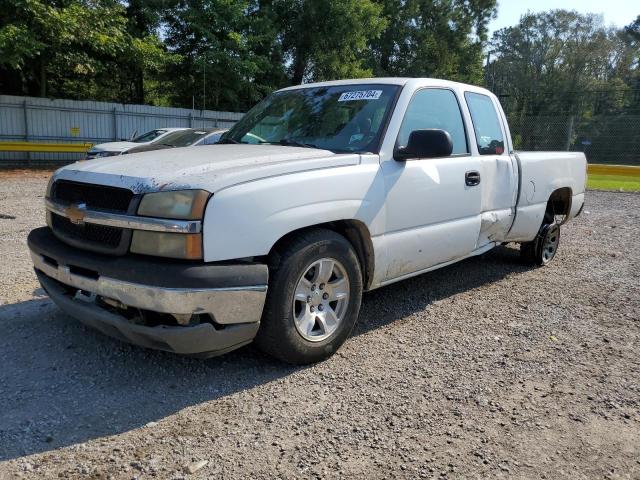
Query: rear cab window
486, 124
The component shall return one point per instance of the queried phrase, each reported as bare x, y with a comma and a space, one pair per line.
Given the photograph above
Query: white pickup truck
321, 191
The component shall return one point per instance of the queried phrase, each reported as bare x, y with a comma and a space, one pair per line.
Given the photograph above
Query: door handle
472, 178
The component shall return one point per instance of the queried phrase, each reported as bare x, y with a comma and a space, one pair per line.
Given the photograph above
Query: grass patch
626, 183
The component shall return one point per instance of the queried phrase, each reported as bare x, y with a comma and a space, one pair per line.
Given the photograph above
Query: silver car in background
189, 137
111, 149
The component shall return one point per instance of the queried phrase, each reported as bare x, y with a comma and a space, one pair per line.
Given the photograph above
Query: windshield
181, 138
345, 118
147, 137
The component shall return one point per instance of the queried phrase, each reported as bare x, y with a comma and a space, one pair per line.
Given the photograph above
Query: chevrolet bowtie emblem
75, 213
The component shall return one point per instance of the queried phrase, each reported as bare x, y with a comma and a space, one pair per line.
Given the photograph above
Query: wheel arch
559, 203
356, 233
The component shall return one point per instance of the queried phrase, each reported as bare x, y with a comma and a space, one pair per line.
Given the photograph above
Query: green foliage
228, 54
236, 51
546, 61
327, 39
433, 38
224, 46
566, 68
20, 31
73, 49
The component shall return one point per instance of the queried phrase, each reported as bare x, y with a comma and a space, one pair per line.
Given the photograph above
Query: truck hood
210, 168
114, 146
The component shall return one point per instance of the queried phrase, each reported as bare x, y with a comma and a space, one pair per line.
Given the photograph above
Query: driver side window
435, 108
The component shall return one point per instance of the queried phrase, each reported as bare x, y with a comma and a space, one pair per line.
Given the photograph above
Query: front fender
246, 220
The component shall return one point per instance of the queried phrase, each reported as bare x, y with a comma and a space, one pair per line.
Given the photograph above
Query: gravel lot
484, 369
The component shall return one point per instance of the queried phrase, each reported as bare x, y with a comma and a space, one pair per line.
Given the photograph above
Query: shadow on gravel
385, 305
61, 383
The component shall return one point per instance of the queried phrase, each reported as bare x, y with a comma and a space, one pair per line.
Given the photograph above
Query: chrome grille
89, 236
100, 197
99, 235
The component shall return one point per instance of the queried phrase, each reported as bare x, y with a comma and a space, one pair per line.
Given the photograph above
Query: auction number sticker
360, 95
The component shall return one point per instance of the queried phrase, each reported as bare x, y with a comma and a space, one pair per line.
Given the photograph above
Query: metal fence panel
56, 120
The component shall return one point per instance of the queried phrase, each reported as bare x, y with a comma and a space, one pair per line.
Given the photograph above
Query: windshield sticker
360, 95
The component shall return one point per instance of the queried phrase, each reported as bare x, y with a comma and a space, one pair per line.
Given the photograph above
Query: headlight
178, 205
172, 245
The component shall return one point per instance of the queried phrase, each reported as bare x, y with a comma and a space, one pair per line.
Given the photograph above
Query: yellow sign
75, 131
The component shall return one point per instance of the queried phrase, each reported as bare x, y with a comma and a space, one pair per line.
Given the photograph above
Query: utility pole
486, 72
204, 82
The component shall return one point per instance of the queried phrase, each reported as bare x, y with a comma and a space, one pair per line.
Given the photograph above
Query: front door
432, 211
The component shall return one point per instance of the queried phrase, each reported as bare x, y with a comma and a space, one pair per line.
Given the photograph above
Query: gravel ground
484, 369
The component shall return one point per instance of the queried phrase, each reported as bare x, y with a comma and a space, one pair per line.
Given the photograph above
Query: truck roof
401, 81
350, 81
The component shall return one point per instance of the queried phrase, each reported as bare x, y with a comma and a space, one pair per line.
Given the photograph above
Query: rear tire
314, 297
544, 247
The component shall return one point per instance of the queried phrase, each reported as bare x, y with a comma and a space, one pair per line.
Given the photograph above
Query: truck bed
542, 173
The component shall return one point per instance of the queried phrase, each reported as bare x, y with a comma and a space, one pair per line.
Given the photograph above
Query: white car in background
111, 149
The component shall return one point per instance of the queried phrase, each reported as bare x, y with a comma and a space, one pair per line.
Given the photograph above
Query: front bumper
102, 291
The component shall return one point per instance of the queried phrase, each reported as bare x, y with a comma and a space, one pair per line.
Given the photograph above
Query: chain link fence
608, 139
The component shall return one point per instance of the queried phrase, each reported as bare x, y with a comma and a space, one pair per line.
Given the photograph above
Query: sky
616, 12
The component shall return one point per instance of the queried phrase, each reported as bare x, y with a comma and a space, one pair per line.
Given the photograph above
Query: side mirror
429, 143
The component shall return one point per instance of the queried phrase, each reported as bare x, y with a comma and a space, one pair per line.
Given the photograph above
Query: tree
224, 47
433, 38
560, 65
631, 40
228, 54
73, 49
327, 39
143, 22
546, 61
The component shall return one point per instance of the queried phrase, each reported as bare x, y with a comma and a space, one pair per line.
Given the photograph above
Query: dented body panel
542, 173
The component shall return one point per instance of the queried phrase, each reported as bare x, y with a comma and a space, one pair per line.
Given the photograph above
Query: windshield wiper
228, 140
292, 143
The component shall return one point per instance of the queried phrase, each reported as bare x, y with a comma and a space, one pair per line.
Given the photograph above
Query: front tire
314, 297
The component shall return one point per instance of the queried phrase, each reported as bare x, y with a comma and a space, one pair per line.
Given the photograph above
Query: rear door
498, 168
432, 213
